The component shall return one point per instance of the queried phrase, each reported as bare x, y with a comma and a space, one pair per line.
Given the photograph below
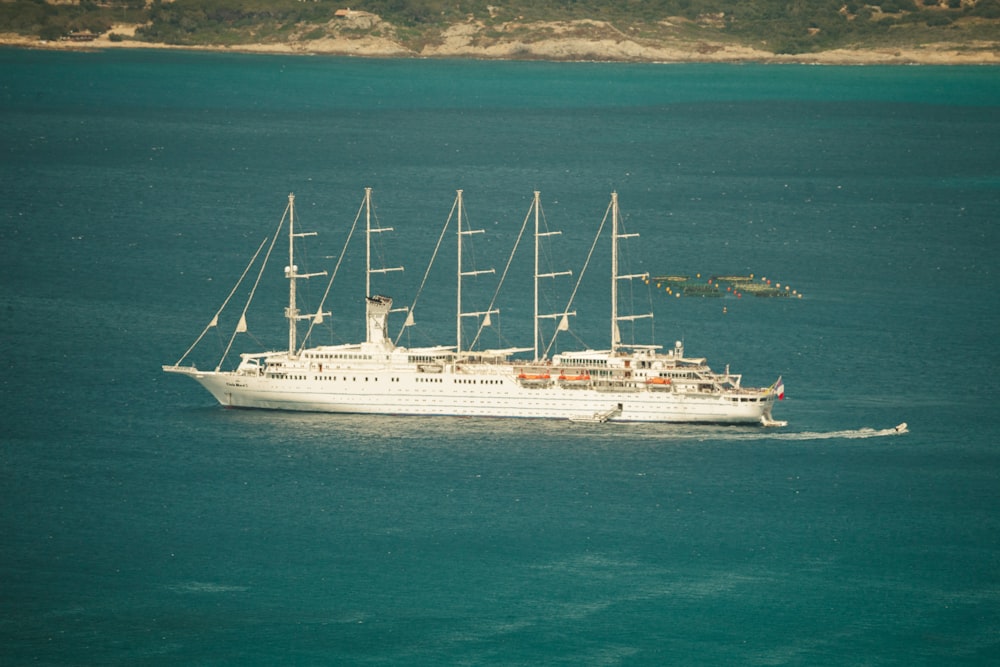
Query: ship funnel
377, 313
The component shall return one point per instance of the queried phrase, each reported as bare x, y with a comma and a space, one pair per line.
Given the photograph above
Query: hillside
835, 31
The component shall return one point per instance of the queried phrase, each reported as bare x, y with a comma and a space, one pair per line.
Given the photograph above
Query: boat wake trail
850, 433
757, 434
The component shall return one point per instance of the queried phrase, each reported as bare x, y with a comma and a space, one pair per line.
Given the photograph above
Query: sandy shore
558, 41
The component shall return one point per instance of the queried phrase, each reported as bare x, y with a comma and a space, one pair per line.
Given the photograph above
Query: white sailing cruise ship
624, 383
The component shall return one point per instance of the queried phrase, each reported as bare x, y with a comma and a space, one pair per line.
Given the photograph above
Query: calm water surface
144, 525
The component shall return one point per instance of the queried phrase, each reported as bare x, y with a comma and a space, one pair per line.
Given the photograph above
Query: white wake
849, 433
757, 434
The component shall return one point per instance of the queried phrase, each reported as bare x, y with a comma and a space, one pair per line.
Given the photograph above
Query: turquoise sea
141, 524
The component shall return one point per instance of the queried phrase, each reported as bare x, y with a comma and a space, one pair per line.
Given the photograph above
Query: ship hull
447, 394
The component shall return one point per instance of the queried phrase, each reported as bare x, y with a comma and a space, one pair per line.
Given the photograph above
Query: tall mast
616, 342
292, 273
368, 244
535, 320
292, 312
458, 306
538, 235
460, 314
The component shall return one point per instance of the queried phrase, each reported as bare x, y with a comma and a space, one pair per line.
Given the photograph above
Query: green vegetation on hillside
779, 26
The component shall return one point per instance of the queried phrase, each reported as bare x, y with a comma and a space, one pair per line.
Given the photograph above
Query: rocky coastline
592, 41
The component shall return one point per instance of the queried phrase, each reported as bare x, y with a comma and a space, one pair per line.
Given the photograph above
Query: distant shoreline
461, 46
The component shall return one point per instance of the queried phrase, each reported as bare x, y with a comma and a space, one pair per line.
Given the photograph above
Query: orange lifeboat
658, 381
534, 379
